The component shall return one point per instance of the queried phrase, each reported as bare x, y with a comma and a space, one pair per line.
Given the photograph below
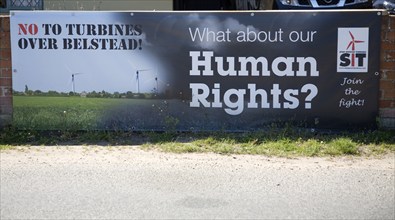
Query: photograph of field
66, 113
125, 114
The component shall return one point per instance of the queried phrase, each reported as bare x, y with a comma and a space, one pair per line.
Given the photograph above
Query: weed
342, 146
6, 147
310, 148
285, 143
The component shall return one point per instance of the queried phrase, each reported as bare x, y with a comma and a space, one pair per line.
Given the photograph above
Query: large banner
195, 70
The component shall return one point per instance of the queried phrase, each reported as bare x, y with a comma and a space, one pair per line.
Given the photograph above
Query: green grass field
64, 113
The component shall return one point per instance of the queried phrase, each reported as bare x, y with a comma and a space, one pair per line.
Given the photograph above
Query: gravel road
83, 182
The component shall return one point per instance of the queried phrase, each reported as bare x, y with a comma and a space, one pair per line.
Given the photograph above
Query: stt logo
352, 50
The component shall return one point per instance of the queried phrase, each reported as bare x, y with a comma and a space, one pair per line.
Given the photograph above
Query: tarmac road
128, 183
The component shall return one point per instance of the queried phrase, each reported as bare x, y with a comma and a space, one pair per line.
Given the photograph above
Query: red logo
352, 45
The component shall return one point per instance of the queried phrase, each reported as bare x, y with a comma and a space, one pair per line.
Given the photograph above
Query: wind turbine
352, 45
138, 78
138, 72
73, 74
154, 79
157, 80
73, 80
157, 85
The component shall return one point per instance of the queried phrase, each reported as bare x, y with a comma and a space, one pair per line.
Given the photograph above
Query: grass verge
306, 145
276, 142
6, 147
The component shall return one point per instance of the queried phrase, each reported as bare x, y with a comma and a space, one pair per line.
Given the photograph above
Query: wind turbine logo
352, 45
352, 49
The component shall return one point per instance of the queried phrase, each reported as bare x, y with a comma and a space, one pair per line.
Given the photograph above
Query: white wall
110, 5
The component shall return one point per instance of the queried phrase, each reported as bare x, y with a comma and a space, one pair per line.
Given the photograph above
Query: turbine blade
351, 43
131, 64
67, 67
352, 36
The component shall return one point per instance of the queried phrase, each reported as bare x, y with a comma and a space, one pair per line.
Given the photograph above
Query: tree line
93, 94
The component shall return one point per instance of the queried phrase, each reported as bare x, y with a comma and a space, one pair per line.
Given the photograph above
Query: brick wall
387, 81
5, 72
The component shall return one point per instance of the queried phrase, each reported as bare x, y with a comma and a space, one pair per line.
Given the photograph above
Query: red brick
385, 22
390, 74
381, 94
387, 113
6, 82
5, 91
6, 109
391, 22
386, 45
385, 65
5, 72
390, 36
387, 84
387, 75
390, 55
5, 23
382, 58
386, 104
7, 101
5, 40
389, 94
5, 64
383, 75
5, 54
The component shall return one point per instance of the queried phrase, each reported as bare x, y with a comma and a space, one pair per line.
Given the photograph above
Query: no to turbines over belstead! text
94, 36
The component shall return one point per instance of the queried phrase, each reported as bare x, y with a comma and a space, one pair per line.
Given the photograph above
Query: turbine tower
73, 74
157, 85
138, 73
138, 78
73, 80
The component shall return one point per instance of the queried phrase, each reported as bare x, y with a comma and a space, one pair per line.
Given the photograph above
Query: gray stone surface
128, 183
